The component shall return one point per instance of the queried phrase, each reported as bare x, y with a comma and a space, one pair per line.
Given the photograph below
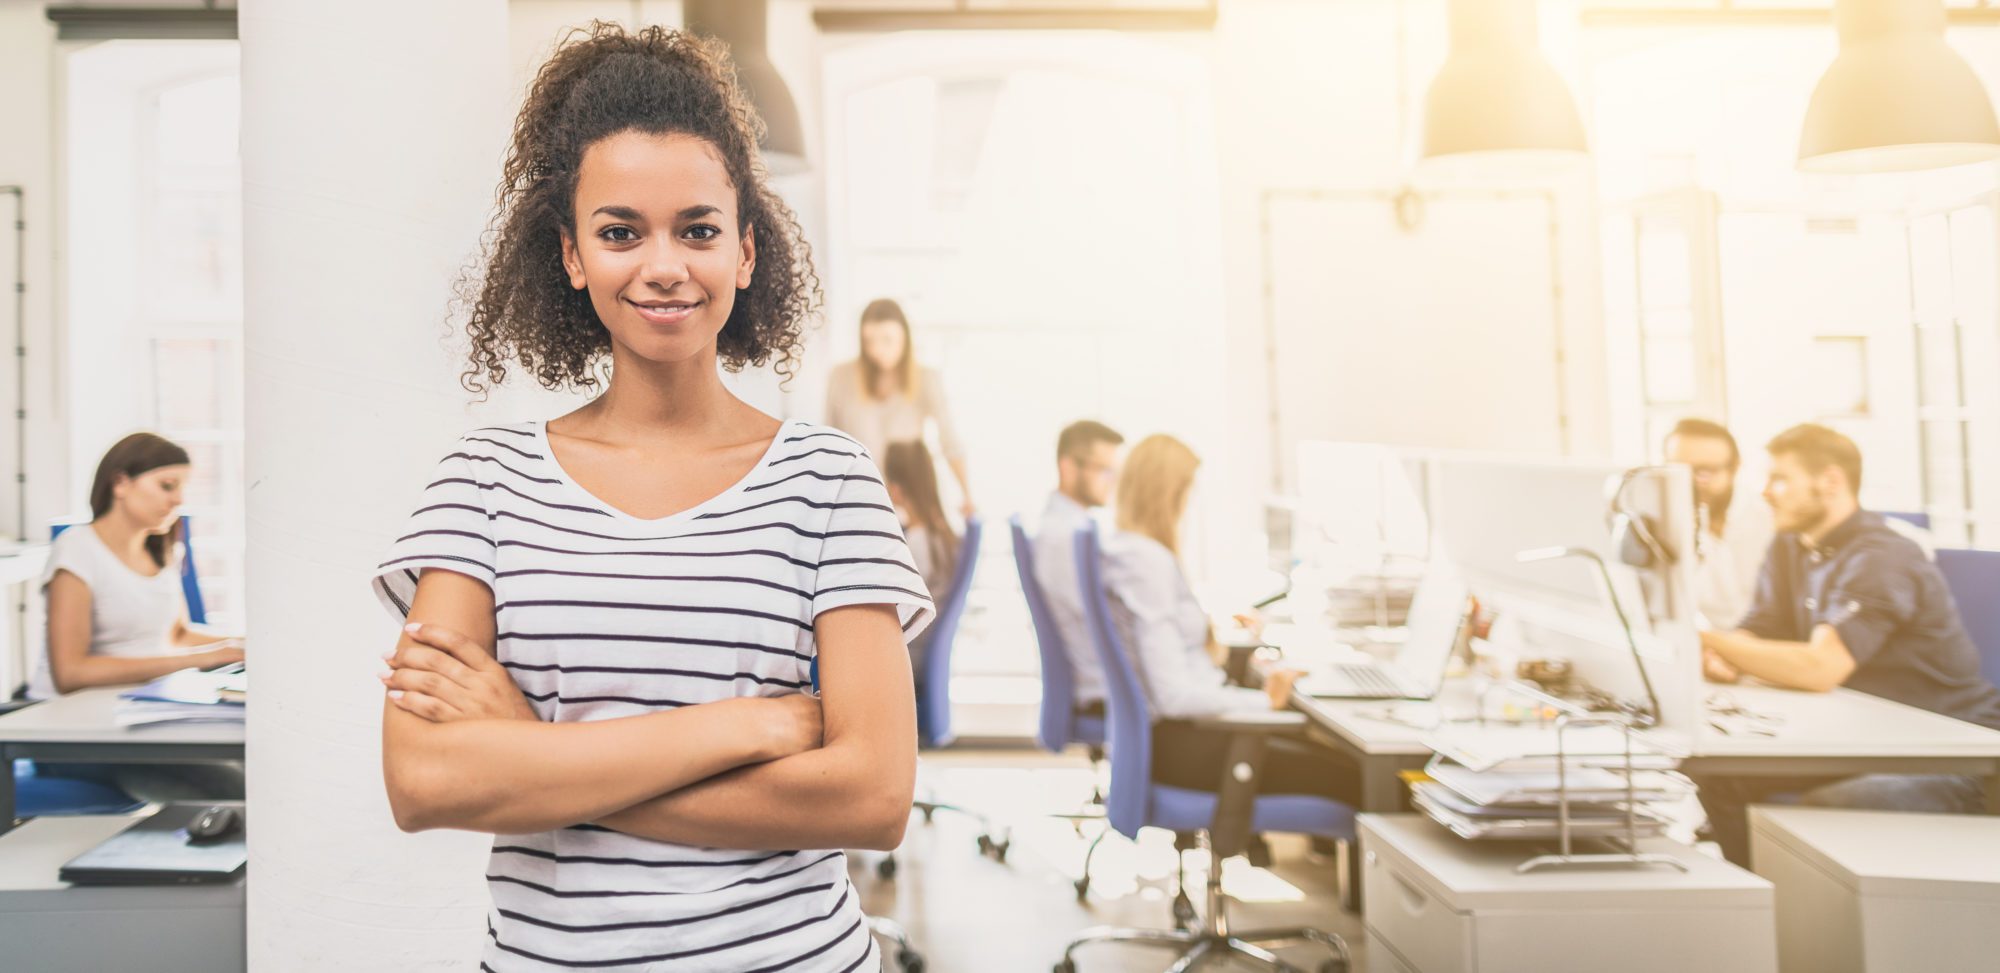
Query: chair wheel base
1333, 966
1082, 889
1065, 967
913, 963
886, 868
998, 849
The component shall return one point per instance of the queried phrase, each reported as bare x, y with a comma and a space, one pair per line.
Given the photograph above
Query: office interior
1427, 286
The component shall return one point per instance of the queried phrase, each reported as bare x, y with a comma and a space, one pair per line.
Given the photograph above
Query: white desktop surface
1892, 852
86, 717
1842, 723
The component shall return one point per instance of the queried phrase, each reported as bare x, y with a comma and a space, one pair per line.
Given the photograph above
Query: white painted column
372, 137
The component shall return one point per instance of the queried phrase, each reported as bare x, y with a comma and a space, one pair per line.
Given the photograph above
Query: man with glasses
1087, 476
1732, 538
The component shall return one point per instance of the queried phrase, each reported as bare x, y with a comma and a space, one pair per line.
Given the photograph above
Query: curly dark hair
601, 81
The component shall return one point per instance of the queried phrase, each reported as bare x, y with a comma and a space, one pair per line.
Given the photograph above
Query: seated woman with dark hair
911, 476
117, 614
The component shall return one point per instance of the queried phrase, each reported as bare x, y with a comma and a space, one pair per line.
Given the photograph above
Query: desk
79, 727
1822, 734
49, 926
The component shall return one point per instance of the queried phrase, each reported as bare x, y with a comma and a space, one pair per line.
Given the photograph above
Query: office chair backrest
1974, 579
1912, 517
1129, 715
1058, 722
934, 694
190, 583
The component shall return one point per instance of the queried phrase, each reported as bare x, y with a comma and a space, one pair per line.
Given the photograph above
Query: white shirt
1167, 631
1055, 572
131, 614
1726, 573
600, 614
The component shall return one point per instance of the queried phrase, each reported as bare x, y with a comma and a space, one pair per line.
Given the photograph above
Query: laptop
156, 851
1438, 616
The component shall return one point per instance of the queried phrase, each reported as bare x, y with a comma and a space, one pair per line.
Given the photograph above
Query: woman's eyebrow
694, 212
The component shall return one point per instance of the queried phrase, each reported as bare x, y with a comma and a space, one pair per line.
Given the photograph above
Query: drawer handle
1413, 898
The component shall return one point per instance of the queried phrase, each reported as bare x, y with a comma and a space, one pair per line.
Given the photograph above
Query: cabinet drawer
1406, 912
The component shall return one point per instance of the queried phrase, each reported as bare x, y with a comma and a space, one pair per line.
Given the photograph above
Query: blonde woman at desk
1175, 652
117, 614
885, 397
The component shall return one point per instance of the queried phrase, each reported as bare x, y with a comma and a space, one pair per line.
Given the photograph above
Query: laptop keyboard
1369, 680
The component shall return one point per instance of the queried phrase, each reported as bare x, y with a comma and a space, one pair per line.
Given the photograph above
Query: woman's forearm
90, 671
834, 797
523, 776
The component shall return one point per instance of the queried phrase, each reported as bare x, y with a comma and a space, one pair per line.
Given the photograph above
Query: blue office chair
37, 795
933, 652
1221, 820
1974, 579
1062, 724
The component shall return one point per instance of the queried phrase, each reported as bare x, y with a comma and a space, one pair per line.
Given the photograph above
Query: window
153, 243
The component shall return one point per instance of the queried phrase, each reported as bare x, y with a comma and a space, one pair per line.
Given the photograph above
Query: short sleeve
1874, 595
1770, 610
449, 529
69, 553
864, 559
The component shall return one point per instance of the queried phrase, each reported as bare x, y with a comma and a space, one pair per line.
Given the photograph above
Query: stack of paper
187, 696
1509, 782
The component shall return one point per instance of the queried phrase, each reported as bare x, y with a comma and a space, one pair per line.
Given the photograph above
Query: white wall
352, 244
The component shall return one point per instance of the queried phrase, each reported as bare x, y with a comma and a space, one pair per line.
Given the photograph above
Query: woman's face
656, 241
882, 342
152, 499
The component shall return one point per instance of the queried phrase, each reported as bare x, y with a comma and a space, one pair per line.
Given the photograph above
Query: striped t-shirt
602, 615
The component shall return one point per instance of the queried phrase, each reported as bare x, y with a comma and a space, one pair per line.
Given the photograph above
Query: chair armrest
1237, 669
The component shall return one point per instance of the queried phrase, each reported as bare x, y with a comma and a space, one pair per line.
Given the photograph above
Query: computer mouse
213, 824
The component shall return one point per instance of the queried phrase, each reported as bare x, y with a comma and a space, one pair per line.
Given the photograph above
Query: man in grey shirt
1087, 474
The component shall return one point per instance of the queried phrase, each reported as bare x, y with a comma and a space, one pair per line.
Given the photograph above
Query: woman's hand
449, 677
1716, 668
225, 656
1278, 684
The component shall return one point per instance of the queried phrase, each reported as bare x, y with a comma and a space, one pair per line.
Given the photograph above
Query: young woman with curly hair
613, 613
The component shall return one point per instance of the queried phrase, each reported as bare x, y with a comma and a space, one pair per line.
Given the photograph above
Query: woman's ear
572, 260
746, 263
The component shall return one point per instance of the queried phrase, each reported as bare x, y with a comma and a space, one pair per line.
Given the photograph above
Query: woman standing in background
885, 397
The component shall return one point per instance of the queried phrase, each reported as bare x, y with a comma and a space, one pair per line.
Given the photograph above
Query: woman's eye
703, 231
617, 234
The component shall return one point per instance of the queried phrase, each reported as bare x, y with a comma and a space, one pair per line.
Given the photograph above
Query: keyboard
1358, 681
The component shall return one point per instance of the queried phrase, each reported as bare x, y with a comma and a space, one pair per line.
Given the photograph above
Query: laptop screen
1436, 612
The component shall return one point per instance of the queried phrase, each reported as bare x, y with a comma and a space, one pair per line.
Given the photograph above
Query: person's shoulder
75, 540
1136, 549
1881, 541
522, 436
826, 451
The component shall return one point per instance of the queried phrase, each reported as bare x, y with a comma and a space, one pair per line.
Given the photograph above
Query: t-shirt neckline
541, 429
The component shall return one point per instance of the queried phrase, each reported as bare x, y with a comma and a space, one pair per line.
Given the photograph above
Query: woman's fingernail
395, 694
413, 627
385, 674
389, 656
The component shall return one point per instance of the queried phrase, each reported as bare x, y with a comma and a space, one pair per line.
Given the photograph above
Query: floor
967, 913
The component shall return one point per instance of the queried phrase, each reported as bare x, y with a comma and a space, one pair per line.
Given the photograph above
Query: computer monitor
1437, 616
1485, 512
